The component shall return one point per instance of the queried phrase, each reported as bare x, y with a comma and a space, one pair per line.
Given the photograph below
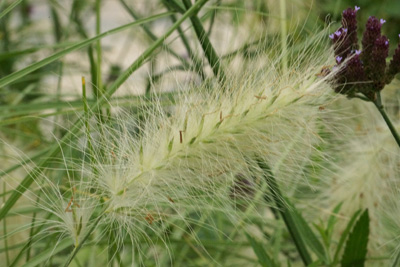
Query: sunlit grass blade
209, 51
9, 8
44, 256
21, 73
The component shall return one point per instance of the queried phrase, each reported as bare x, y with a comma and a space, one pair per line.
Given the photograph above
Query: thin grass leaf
45, 255
345, 234
286, 214
333, 218
21, 73
396, 261
263, 257
356, 245
209, 51
9, 8
307, 234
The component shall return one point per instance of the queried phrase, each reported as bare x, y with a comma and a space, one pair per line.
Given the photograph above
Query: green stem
152, 36
379, 106
208, 49
5, 227
85, 237
282, 208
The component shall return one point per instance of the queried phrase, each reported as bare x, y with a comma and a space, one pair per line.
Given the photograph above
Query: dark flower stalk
363, 74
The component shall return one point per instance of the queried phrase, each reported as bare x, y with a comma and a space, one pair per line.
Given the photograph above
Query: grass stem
284, 211
85, 237
379, 106
209, 51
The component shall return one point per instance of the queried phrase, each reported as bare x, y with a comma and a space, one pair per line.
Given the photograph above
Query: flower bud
394, 66
371, 33
349, 21
376, 69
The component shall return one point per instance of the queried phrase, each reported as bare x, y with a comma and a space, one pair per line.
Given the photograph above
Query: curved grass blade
21, 73
9, 8
45, 255
290, 221
263, 258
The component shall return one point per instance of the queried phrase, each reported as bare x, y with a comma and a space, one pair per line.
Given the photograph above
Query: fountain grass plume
186, 156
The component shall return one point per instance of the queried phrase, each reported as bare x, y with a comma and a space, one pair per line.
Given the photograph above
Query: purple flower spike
394, 66
356, 8
358, 52
339, 59
382, 21
331, 36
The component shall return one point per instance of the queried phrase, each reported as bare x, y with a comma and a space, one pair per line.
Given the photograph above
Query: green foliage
263, 258
355, 250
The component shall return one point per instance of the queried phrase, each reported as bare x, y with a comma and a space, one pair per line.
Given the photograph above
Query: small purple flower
345, 30
339, 59
382, 21
356, 8
331, 36
338, 33
358, 52
387, 42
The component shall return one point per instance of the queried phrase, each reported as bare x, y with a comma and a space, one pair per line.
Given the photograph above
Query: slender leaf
356, 245
21, 73
45, 255
308, 235
287, 216
396, 261
345, 234
263, 258
9, 8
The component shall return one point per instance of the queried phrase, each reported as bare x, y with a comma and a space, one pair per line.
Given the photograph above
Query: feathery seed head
200, 152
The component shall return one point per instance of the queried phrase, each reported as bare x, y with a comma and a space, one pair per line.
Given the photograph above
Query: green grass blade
287, 216
9, 8
45, 255
307, 234
263, 258
396, 261
209, 51
21, 73
55, 149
